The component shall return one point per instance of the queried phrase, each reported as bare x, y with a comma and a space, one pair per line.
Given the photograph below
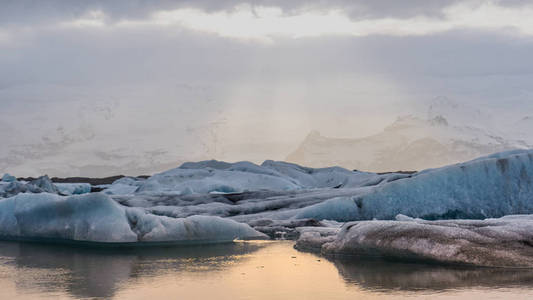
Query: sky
162, 82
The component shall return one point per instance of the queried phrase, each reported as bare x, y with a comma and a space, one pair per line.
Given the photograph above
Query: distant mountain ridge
410, 143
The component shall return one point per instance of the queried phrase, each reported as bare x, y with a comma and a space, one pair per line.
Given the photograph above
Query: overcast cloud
188, 80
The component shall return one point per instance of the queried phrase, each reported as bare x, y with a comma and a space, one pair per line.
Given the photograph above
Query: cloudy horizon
162, 82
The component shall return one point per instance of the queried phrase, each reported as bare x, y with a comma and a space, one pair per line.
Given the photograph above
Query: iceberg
45, 184
8, 178
123, 186
278, 198
203, 181
97, 218
487, 187
40, 185
73, 188
491, 186
501, 242
222, 177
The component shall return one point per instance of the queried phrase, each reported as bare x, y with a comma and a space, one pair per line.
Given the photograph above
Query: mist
102, 89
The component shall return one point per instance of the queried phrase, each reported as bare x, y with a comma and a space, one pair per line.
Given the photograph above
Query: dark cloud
27, 12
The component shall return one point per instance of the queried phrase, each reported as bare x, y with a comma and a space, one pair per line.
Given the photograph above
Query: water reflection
99, 272
385, 276
256, 270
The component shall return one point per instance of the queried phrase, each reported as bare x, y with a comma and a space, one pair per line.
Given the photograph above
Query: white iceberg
96, 218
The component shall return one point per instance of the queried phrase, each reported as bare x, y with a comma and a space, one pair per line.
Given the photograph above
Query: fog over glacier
106, 88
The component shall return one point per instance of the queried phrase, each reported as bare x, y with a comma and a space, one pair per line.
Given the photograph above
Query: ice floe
501, 242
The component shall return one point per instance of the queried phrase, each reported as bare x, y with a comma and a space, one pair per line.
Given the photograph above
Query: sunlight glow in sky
140, 83
263, 23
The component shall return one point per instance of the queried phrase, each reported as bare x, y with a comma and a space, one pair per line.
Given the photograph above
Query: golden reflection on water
245, 270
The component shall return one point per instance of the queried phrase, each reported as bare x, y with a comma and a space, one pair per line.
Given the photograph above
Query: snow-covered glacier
97, 218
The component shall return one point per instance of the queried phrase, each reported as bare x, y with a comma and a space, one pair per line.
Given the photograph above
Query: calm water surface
245, 270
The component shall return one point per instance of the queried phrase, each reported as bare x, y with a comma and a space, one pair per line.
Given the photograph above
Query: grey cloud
27, 12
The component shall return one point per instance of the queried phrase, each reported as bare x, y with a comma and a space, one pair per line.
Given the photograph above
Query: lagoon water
242, 270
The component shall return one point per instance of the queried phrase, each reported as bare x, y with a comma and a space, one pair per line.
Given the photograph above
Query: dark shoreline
90, 180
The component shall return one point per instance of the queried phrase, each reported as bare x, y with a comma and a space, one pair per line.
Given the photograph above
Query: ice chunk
96, 218
221, 177
120, 189
73, 188
123, 186
152, 228
283, 229
203, 181
45, 184
493, 186
92, 217
339, 209
312, 238
503, 242
8, 178
39, 185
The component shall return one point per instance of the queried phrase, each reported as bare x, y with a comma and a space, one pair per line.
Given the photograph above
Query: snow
502, 242
73, 188
97, 218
